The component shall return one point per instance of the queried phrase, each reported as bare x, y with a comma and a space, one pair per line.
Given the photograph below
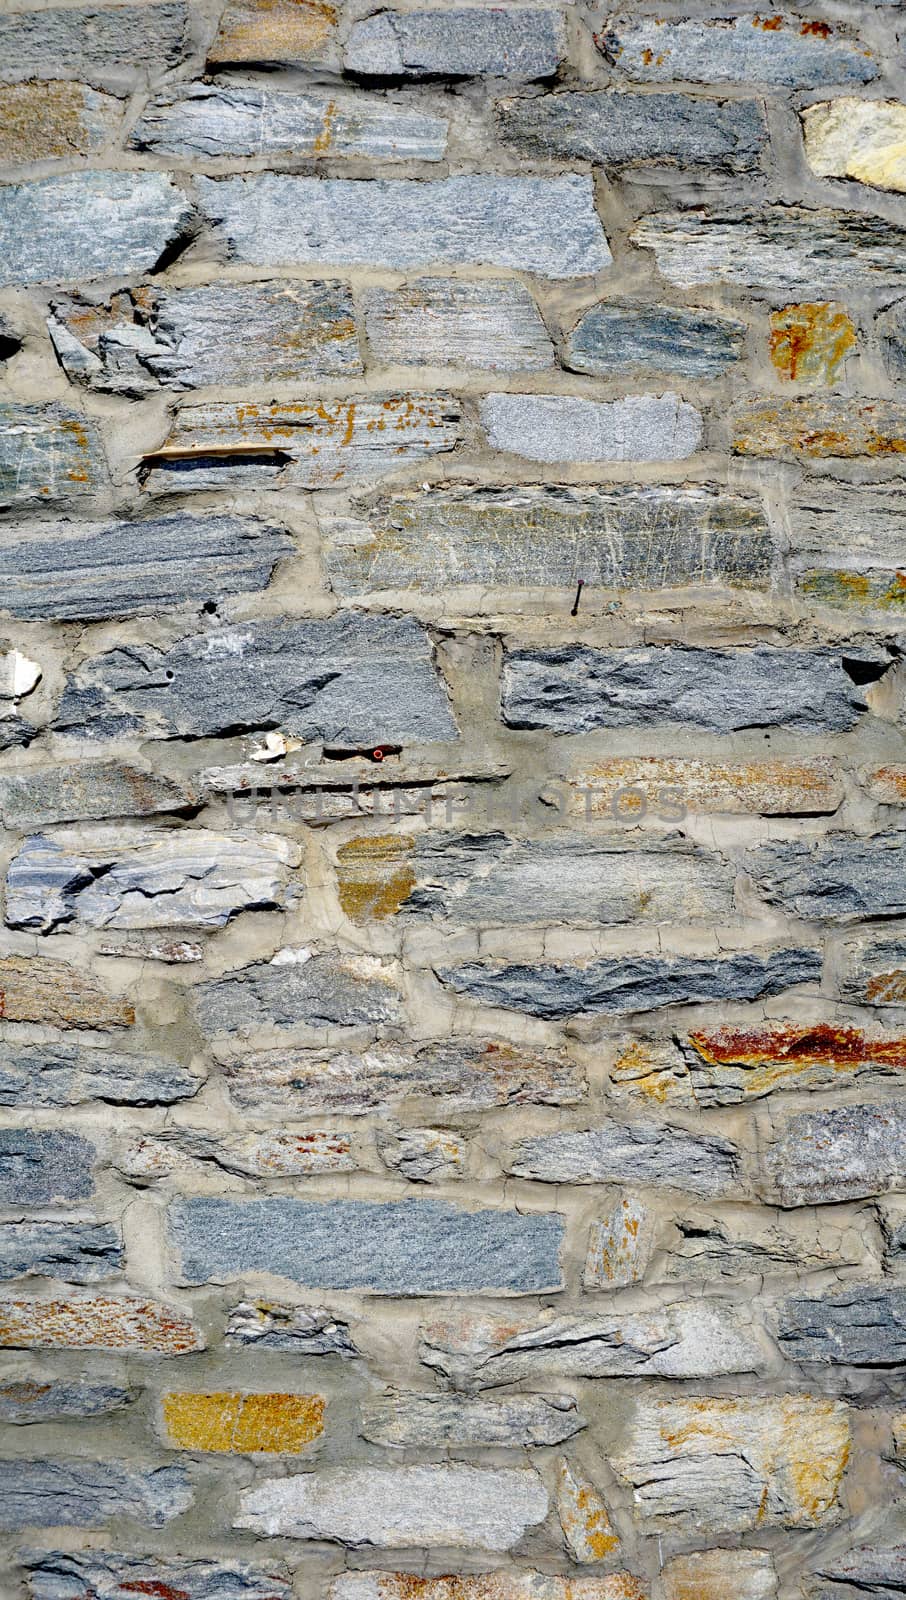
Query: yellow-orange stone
48, 120
375, 876
810, 342
275, 1423
36, 989
275, 31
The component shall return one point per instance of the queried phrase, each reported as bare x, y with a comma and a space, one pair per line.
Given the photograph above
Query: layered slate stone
299, 988
86, 791
200, 120
89, 224
147, 878
28, 1400
125, 1323
784, 52
116, 44
847, 541
86, 571
892, 327
839, 877
423, 1155
75, 1252
349, 680
44, 1166
730, 1064
438, 1421
116, 1575
394, 1508
48, 455
311, 444
862, 1326
543, 225
853, 590
234, 1423
873, 971
38, 989
776, 250
586, 1524
566, 428
276, 33
847, 1153
743, 1242
617, 984
835, 426
875, 1569
397, 1247
492, 42
860, 139
629, 788
89, 1494
703, 1466
523, 538
576, 688
623, 130
219, 333
493, 325
305, 1330
46, 121
502, 1585
638, 1152
62, 1074
616, 337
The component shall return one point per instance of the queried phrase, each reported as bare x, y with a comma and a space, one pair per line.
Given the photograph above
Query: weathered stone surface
718, 1574
861, 139
863, 1326
95, 1323
862, 525
615, 538
323, 791
584, 1518
836, 426
856, 591
737, 1242
61, 1074
503, 1585
88, 224
394, 1508
887, 783
809, 342
892, 328
85, 791
185, 338
543, 225
621, 130
777, 250
562, 428
641, 1152
877, 1569
628, 788
88, 1494
312, 444
276, 33
493, 325
617, 337
619, 1246
114, 1575
254, 1155
353, 680
409, 1421
14, 731
236, 1423
839, 877
115, 44
44, 121
47, 1399
76, 1252
37, 989
728, 1466
398, 1247
305, 1330
483, 41
874, 972
296, 988
695, 1339
731, 1064
199, 120
575, 689
458, 1074
748, 49
42, 1167
618, 984
148, 878
844, 1154
48, 454
84, 571
423, 1155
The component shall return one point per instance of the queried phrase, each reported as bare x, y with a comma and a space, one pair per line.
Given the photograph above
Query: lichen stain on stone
375, 876
51, 120
41, 990
809, 342
255, 30
96, 1324
778, 1054
232, 1422
882, 591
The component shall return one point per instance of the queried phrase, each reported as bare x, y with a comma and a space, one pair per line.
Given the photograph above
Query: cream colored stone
861, 139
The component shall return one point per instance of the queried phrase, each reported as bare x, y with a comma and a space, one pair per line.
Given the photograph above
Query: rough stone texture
874, 972
494, 41
408, 1421
836, 426
502, 1585
629, 788
619, 1246
59, 1074
843, 1154
622, 130
299, 987
865, 1326
735, 1242
271, 1424
892, 326
617, 337
115, 1575
809, 342
44, 1167
89, 1494
400, 1247
44, 121
305, 1331
423, 1155
84, 792
875, 1569
860, 139
36, 1399
94, 1323
544, 225
584, 1518
38, 989
272, 33
728, 1064
75, 1252
714, 1574
88, 224
840, 877
48, 455
640, 1152
746, 49
559, 428
437, 322
118, 44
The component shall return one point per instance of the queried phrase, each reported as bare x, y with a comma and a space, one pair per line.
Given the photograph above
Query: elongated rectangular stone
300, 988
254, 1155
860, 139
842, 525
616, 337
118, 44
234, 1423
852, 590
492, 325
43, 1167
625, 130
436, 1421
276, 33
312, 444
502, 1585
637, 1152
703, 1466
97, 1323
89, 1494
617, 984
75, 1252
483, 41
398, 1247
543, 225
862, 1326
575, 688
627, 788
88, 224
613, 538
86, 571
849, 1153
85, 791
305, 1330
776, 250
116, 1575
49, 120
886, 784
553, 427
350, 680
838, 877
398, 1507
836, 426
48, 455
147, 878
875, 1569
731, 1064
873, 971
37, 989
783, 52
37, 1398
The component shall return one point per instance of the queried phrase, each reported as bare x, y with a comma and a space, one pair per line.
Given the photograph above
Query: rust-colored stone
375, 876
97, 1323
284, 32
809, 342
44, 121
627, 788
789, 1055
229, 1421
618, 1247
37, 989
887, 784
836, 427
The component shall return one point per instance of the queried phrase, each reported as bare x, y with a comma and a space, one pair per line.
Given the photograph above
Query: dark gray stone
88, 1494
89, 225
101, 44
114, 1575
40, 1399
43, 1167
85, 791
76, 1252
84, 571
836, 878
632, 1152
877, 1570
408, 1247
492, 325
615, 984
849, 1153
892, 328
49, 455
489, 41
620, 130
787, 53
66, 1074
15, 731
350, 680
305, 1330
316, 991
438, 1421
863, 1326
575, 689
617, 336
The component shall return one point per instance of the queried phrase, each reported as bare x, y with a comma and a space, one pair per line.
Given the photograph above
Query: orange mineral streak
374, 876
97, 1324
769, 24
274, 1424
775, 1054
634, 785
809, 343
273, 31
37, 989
817, 30
888, 784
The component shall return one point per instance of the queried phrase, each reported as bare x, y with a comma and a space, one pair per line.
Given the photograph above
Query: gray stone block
49, 455
88, 1494
41, 1398
58, 1074
85, 791
544, 427
305, 1330
617, 337
639, 1152
89, 225
862, 1326
115, 44
116, 1575
839, 877
439, 1421
492, 325
74, 1251
303, 990
483, 41
848, 1153
625, 130
44, 1167
786, 53
873, 971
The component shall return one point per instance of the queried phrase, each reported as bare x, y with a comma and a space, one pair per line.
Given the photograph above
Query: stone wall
453, 965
